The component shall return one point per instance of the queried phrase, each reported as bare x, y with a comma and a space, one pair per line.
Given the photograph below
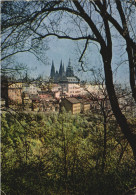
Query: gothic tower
69, 71
52, 74
61, 69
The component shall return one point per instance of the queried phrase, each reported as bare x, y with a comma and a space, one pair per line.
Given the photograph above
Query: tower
52, 74
69, 71
61, 69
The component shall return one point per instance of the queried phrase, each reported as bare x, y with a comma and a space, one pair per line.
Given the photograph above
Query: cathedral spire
61, 69
69, 63
69, 71
52, 74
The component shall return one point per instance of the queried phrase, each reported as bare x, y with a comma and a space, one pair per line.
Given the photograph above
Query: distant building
57, 94
30, 88
45, 95
85, 106
63, 76
71, 104
68, 82
15, 92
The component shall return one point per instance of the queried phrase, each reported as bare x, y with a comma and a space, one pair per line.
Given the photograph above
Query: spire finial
69, 63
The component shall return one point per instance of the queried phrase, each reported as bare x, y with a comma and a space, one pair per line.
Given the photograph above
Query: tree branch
80, 59
65, 37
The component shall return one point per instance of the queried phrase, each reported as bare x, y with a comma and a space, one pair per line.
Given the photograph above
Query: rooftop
73, 100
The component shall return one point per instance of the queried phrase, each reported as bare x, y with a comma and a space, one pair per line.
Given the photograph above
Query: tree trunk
132, 66
121, 120
105, 142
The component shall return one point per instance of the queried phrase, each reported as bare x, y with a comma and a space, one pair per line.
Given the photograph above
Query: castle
63, 76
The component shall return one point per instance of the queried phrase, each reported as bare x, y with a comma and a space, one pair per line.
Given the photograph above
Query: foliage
63, 154
24, 30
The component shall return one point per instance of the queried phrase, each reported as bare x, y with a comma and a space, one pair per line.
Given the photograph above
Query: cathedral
63, 76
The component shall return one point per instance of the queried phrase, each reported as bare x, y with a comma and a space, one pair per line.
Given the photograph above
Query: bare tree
31, 22
16, 30
126, 29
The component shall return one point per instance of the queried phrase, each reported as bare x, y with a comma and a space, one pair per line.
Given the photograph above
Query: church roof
61, 75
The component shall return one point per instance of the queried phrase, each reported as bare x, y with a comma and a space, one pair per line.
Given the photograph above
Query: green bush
63, 154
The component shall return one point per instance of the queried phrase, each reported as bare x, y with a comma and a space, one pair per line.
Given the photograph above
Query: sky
65, 50
58, 50
62, 49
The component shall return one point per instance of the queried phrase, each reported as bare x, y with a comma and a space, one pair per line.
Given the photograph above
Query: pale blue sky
65, 49
59, 49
